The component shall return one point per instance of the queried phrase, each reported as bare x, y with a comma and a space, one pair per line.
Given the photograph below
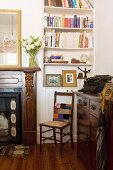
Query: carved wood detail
29, 84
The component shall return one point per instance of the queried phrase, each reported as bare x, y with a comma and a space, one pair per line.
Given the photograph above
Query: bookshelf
68, 34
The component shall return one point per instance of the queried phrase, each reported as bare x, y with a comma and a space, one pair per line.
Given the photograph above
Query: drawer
95, 108
82, 102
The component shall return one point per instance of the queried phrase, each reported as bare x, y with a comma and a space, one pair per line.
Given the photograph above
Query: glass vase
32, 61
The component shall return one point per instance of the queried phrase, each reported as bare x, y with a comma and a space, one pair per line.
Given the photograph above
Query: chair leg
61, 140
54, 134
40, 138
71, 136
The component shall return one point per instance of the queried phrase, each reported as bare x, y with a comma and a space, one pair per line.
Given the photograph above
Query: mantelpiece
24, 78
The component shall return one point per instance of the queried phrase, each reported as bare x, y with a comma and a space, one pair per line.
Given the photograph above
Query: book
53, 38
57, 38
56, 57
70, 3
75, 21
74, 4
84, 4
46, 3
71, 22
46, 19
48, 39
58, 3
51, 21
51, 2
63, 3
91, 3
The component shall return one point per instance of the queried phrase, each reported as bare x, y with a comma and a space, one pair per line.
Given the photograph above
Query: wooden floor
48, 159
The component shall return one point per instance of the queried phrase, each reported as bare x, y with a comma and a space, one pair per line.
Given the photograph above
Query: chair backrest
63, 106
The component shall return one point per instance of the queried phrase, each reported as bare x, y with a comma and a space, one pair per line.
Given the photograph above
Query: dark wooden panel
29, 137
88, 111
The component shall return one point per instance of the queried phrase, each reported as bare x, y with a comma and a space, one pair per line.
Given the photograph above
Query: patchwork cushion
62, 111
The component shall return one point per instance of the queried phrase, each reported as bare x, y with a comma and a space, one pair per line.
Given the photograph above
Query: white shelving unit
68, 53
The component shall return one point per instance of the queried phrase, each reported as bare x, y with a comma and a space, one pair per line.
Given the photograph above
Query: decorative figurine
84, 71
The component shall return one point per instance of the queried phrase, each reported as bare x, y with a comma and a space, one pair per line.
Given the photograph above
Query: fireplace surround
18, 87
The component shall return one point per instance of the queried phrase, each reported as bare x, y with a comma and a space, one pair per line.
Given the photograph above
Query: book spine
71, 22
57, 38
70, 4
53, 38
45, 2
78, 22
66, 22
63, 3
75, 21
51, 21
46, 19
67, 4
74, 3
91, 3
58, 3
78, 3
84, 4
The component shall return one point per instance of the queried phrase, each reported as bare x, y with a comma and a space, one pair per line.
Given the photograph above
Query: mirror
10, 36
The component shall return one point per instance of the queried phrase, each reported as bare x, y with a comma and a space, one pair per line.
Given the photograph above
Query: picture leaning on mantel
53, 80
69, 78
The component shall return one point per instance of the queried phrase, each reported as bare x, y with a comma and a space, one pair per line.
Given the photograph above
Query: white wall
104, 37
32, 12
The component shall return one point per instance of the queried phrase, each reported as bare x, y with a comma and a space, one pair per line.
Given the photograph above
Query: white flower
37, 43
29, 41
32, 44
28, 47
24, 43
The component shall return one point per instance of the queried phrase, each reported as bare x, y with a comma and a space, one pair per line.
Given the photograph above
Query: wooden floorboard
48, 159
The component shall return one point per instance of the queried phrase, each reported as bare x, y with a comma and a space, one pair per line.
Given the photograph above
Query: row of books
70, 3
69, 39
68, 21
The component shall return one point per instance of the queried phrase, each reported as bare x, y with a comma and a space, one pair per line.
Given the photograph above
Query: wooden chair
62, 118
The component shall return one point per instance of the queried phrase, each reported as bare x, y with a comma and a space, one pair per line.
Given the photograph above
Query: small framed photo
69, 78
53, 80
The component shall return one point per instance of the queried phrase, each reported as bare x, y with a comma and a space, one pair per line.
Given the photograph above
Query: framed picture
69, 78
53, 80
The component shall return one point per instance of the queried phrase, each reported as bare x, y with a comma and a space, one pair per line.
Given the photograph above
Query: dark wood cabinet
88, 110
109, 118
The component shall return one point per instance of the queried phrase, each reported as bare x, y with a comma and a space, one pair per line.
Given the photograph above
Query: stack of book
56, 58
70, 3
69, 21
69, 39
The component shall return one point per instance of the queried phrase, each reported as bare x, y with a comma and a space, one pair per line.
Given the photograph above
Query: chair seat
58, 124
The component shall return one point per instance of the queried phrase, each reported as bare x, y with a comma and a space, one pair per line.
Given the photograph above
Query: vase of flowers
32, 46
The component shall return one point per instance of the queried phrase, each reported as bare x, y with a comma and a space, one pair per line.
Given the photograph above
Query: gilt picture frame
53, 80
69, 78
